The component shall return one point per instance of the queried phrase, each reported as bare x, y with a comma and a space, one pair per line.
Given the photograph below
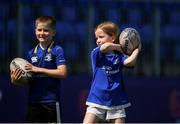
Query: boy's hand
16, 75
31, 68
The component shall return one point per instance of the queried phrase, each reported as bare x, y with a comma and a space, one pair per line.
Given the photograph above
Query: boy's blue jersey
107, 90
44, 88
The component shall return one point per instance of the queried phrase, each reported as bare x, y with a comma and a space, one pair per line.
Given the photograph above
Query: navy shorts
42, 113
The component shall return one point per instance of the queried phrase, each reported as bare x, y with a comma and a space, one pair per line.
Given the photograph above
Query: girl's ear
113, 39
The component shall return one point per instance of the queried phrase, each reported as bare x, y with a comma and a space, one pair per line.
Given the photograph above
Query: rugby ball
129, 40
20, 63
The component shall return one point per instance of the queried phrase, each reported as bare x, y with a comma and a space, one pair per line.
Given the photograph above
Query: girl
107, 98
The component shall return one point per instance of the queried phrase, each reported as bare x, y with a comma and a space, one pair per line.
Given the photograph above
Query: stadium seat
113, 15
82, 2
64, 2
2, 39
147, 33
177, 52
81, 31
2, 48
27, 13
12, 29
69, 14
28, 30
96, 15
2, 28
175, 17
65, 31
134, 16
44, 2
4, 10
47, 10
71, 49
171, 32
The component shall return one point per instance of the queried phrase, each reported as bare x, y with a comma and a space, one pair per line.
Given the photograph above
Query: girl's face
102, 37
44, 33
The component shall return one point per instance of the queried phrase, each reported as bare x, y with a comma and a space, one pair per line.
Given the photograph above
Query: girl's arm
109, 47
131, 60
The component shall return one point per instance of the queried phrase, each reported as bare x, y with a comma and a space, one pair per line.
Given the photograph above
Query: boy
48, 65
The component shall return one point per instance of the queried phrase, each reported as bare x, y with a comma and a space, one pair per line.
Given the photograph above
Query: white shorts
107, 114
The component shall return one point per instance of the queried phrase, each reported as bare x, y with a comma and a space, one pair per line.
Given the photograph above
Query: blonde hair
46, 19
110, 29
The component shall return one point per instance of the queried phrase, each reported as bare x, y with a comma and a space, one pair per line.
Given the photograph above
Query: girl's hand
138, 49
140, 46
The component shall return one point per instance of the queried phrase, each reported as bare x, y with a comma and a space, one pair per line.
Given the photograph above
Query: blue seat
47, 10
65, 31
64, 2
2, 48
71, 49
171, 32
81, 31
175, 17
113, 15
12, 29
82, 2
169, 36
96, 16
69, 14
2, 29
177, 52
27, 13
147, 33
171, 39
45, 2
4, 11
128, 25
28, 30
134, 16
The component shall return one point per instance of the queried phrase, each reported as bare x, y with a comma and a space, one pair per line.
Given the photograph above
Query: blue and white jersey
43, 88
107, 90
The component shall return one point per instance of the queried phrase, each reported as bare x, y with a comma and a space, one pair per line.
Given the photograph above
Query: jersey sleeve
28, 56
96, 55
60, 59
124, 57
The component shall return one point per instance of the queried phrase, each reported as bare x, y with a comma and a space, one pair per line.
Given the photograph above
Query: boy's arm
109, 47
60, 72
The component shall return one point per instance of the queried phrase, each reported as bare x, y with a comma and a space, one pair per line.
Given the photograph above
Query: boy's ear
54, 32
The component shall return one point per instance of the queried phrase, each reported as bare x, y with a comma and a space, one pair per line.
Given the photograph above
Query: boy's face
44, 33
102, 37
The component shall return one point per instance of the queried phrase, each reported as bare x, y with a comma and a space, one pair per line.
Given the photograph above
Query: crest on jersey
34, 59
116, 61
48, 57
